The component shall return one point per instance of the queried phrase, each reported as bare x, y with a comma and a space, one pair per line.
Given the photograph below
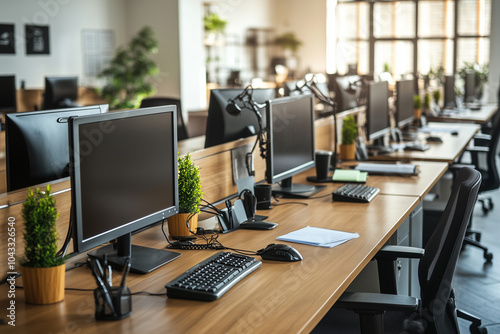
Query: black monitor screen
37, 145
449, 92
290, 148
60, 92
347, 92
404, 102
8, 95
470, 86
377, 113
124, 174
223, 127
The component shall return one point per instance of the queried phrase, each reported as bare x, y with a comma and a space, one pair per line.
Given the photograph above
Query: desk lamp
311, 86
247, 102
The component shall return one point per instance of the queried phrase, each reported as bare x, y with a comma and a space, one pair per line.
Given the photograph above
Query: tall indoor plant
349, 134
42, 268
189, 199
129, 71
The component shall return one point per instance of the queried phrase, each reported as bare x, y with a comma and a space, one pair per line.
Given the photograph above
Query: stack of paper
349, 175
401, 169
316, 236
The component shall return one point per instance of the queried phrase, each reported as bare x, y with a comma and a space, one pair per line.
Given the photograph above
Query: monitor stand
289, 189
142, 259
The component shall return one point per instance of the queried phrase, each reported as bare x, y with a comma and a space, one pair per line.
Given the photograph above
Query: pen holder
121, 299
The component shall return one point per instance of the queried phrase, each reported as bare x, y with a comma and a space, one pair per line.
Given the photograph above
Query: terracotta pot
177, 225
44, 285
347, 152
417, 113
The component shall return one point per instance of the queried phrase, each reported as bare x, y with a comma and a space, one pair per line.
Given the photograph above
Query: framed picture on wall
37, 40
7, 39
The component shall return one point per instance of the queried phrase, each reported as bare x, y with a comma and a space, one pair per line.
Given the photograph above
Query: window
409, 36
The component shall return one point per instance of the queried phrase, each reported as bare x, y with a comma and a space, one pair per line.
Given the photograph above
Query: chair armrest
376, 302
479, 149
482, 136
392, 253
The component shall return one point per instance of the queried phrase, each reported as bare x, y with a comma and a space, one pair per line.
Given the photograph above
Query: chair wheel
488, 257
478, 330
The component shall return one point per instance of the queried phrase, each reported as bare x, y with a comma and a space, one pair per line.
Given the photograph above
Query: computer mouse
280, 252
434, 139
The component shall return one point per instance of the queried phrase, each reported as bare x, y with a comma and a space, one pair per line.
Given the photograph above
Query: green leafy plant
189, 185
427, 101
482, 74
436, 95
349, 130
129, 71
288, 41
213, 23
40, 236
417, 102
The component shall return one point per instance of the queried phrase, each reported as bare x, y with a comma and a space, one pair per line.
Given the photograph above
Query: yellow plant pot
347, 152
44, 285
417, 113
177, 225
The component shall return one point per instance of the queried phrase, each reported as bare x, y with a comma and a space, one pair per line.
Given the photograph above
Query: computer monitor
290, 142
449, 92
8, 95
123, 178
37, 145
223, 127
60, 92
377, 111
347, 91
470, 86
404, 102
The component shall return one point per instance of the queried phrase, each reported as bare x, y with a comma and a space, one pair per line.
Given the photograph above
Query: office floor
477, 285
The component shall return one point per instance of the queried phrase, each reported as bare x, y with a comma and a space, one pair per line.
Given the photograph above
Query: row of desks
279, 297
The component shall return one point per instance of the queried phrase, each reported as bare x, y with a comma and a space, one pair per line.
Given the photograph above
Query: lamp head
232, 108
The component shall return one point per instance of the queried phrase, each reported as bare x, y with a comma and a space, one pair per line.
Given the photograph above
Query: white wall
307, 19
66, 19
192, 55
163, 17
493, 81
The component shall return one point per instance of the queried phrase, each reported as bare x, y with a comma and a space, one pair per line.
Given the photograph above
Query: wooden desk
418, 185
447, 151
480, 116
279, 297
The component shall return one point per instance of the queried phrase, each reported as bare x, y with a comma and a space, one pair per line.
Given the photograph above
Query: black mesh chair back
437, 266
161, 101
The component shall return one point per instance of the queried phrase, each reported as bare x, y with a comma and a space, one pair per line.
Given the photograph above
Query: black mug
263, 194
322, 164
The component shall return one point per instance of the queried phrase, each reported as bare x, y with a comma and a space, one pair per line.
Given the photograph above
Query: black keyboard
355, 193
416, 147
211, 278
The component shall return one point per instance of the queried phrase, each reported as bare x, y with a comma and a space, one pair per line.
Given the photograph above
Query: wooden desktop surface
447, 151
279, 297
480, 116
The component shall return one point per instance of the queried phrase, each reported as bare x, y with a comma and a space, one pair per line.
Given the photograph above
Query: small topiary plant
437, 96
417, 102
349, 130
40, 236
189, 185
427, 101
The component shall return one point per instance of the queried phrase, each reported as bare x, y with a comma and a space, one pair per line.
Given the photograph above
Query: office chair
435, 311
161, 101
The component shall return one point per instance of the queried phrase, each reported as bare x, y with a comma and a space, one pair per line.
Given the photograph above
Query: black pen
103, 285
126, 269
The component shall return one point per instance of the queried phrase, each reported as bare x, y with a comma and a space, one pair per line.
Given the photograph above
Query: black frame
9, 29
31, 39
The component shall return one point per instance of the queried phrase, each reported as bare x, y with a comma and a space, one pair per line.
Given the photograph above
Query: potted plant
417, 108
349, 134
42, 268
426, 105
288, 41
213, 24
482, 73
437, 96
128, 72
189, 199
